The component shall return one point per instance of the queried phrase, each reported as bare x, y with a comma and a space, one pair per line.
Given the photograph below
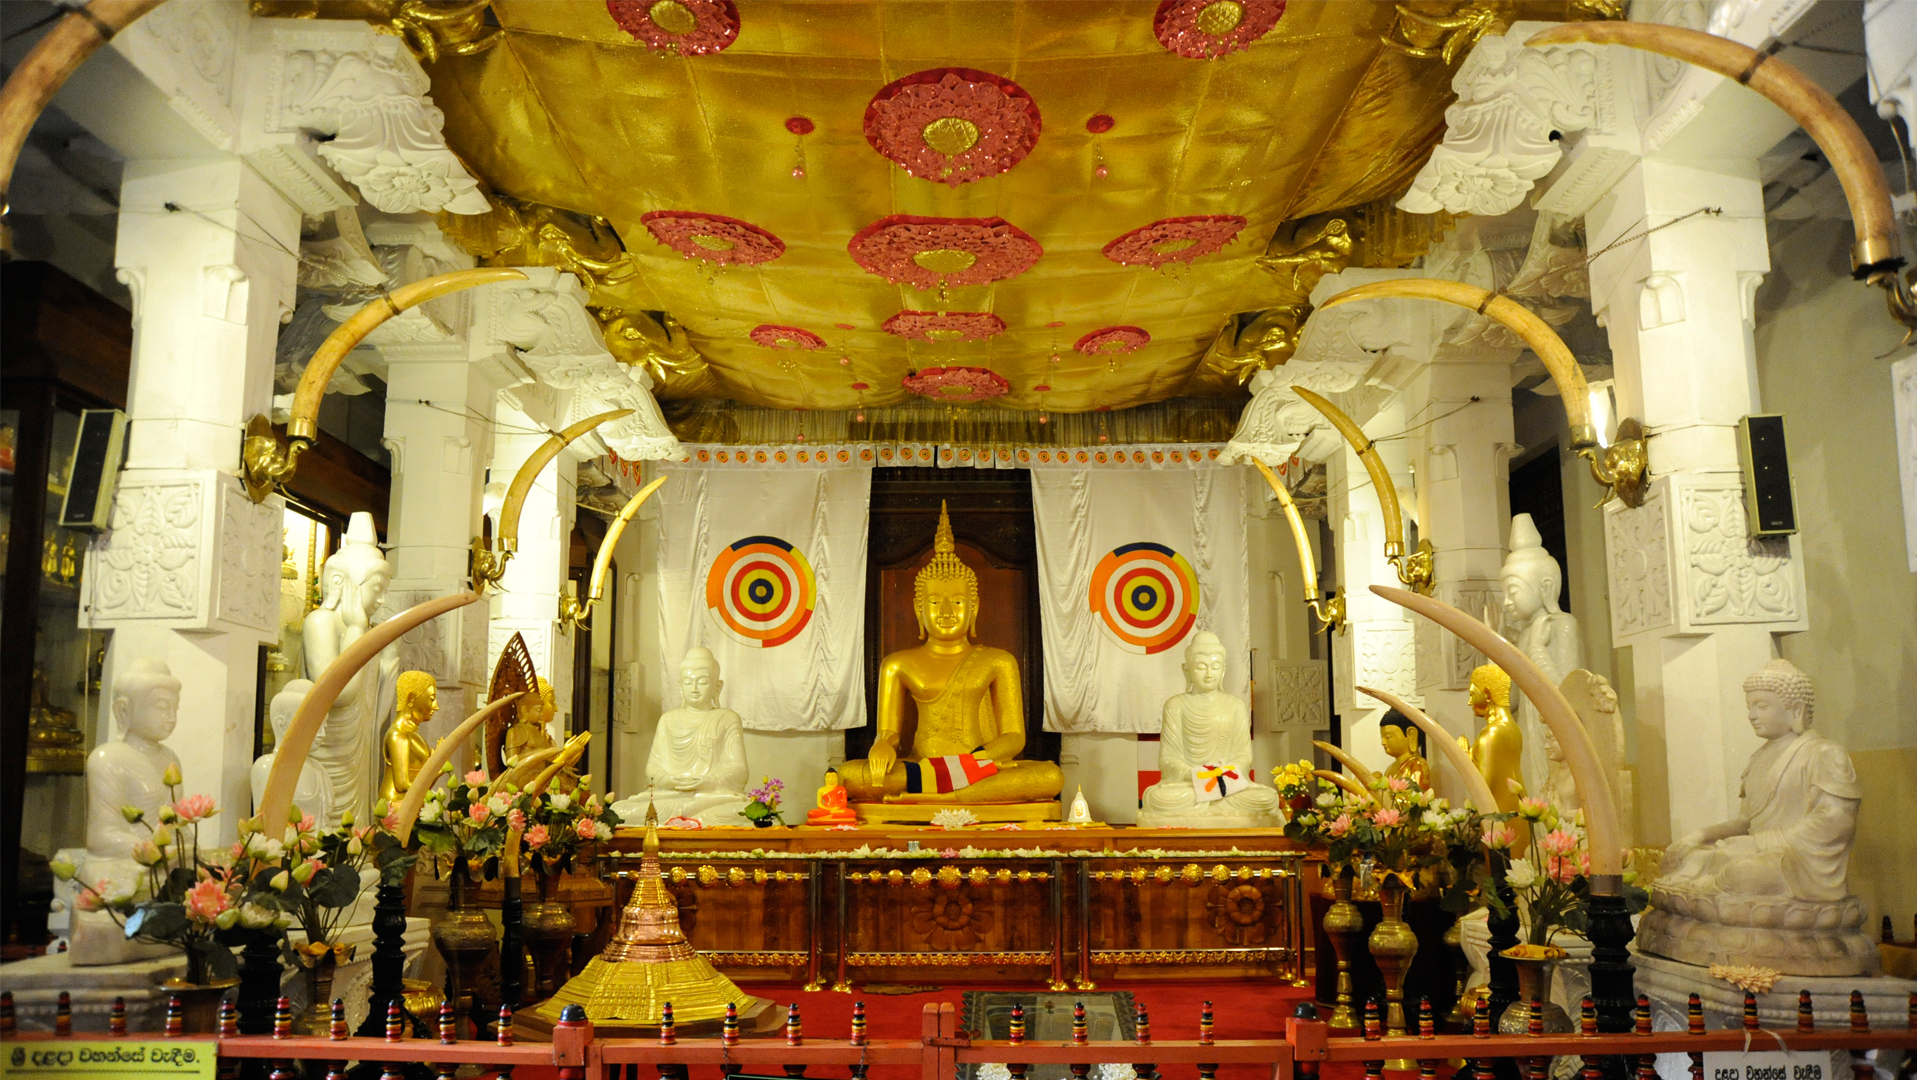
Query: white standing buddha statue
698, 765
352, 586
1530, 591
127, 773
1206, 754
1769, 887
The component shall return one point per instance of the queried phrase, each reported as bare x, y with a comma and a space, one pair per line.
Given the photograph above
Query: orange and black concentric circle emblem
761, 590
1146, 596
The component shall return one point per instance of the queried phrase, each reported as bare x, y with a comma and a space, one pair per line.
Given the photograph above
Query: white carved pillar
1377, 650
1697, 601
527, 600
188, 571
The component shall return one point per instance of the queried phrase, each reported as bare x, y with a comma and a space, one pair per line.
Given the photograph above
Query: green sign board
122, 1059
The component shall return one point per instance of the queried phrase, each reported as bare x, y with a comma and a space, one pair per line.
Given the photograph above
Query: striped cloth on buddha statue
942, 775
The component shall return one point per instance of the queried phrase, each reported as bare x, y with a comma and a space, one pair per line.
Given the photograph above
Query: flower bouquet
466, 822
764, 808
556, 825
1298, 786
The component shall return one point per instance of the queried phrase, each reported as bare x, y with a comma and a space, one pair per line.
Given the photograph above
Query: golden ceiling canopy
1076, 197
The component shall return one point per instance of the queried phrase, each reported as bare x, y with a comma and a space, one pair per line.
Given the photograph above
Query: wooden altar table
1060, 906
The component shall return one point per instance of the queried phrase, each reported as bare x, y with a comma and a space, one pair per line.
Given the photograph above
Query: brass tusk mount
485, 565
1622, 466
266, 462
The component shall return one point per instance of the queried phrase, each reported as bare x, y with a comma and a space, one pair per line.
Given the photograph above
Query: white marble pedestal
36, 984
1668, 982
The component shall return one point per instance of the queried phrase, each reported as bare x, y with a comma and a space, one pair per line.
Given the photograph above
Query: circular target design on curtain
761, 591
1146, 596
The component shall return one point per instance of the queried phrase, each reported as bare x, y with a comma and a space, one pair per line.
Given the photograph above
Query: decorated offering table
1061, 906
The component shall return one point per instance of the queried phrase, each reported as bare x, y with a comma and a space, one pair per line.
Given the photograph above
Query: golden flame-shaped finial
650, 847
943, 535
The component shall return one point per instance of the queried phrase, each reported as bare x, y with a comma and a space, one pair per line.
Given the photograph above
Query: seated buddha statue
416, 699
971, 722
529, 735
1206, 754
1401, 740
1769, 886
833, 808
698, 764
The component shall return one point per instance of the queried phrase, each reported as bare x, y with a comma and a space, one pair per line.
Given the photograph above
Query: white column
189, 569
527, 600
1378, 650
1698, 602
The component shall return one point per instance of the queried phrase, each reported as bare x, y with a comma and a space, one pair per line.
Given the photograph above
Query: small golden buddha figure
833, 808
1497, 749
528, 735
416, 699
1401, 740
971, 723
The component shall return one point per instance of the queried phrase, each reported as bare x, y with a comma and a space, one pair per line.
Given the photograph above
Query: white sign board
1772, 1065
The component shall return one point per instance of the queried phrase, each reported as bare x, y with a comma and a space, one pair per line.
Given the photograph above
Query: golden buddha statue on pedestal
1496, 751
966, 697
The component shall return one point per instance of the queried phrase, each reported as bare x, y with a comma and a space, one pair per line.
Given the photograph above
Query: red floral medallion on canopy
1210, 29
1180, 239
713, 238
945, 325
926, 252
785, 337
688, 27
956, 383
952, 125
1113, 339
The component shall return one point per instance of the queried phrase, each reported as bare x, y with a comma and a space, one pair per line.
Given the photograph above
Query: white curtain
1096, 678
812, 681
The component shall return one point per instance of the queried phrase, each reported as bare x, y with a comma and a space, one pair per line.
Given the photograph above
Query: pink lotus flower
194, 807
1398, 783
584, 828
517, 819
1560, 869
536, 836
308, 823
1559, 842
1340, 826
391, 823
479, 813
476, 778
206, 901
92, 899
1386, 817
1498, 837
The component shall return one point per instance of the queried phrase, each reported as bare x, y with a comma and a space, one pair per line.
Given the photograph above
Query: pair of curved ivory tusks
46, 68
1539, 337
292, 752
530, 471
1583, 759
416, 797
562, 757
614, 528
1360, 772
1479, 795
1875, 244
1344, 783
304, 423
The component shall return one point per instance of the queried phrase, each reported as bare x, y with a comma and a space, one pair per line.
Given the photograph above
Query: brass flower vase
1393, 945
548, 926
201, 1002
1343, 924
317, 970
1536, 982
465, 940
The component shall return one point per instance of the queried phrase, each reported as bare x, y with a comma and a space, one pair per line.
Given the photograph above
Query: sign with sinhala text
122, 1059
1770, 1065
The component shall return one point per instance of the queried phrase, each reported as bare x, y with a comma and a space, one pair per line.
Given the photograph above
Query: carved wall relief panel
1639, 584
1299, 695
148, 564
1730, 577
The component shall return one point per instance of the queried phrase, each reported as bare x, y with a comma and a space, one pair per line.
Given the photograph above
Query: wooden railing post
939, 1029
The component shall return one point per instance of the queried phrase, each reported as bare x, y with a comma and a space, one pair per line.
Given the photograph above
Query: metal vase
464, 938
1343, 924
1393, 946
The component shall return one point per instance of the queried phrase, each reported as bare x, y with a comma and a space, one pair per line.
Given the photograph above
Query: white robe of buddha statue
698, 764
1206, 728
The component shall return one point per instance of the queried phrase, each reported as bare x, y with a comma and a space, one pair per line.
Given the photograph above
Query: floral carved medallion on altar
950, 919
1112, 339
688, 27
761, 591
944, 325
1210, 29
952, 125
1146, 595
785, 337
712, 238
1240, 914
1181, 239
956, 384
928, 252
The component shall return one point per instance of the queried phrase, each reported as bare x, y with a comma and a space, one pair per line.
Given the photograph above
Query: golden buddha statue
528, 735
1496, 751
971, 724
1401, 740
416, 699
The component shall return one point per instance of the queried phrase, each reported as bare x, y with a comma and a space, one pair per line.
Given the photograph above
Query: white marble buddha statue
352, 586
1206, 729
313, 794
1769, 887
698, 765
1530, 591
129, 771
